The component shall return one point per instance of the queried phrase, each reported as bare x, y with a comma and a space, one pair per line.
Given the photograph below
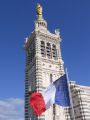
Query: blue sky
17, 17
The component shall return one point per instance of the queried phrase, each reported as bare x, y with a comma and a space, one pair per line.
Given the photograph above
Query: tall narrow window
54, 111
31, 51
43, 49
54, 51
51, 78
48, 49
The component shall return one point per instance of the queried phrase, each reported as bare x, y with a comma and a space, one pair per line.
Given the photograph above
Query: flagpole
71, 102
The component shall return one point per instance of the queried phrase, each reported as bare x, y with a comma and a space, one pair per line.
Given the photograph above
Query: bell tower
44, 65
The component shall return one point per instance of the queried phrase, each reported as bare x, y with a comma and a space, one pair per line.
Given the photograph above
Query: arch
43, 51
48, 49
54, 51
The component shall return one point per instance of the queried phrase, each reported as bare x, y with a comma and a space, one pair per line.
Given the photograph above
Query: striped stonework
44, 64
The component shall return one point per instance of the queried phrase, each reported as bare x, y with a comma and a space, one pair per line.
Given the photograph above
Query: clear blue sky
17, 22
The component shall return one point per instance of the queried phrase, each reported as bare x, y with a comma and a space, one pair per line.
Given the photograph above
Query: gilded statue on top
39, 9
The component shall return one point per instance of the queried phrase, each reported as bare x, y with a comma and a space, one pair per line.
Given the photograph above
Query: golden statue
38, 9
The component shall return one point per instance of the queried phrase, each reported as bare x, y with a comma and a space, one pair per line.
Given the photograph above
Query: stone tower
44, 64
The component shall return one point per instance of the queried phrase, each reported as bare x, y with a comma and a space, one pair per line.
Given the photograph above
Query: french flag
56, 93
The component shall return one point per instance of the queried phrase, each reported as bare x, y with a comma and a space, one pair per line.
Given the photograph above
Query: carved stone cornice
29, 40
47, 35
42, 35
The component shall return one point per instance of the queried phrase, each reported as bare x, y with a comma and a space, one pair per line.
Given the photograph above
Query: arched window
43, 49
31, 52
51, 78
48, 49
54, 51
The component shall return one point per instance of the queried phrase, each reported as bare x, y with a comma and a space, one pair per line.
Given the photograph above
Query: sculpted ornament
38, 9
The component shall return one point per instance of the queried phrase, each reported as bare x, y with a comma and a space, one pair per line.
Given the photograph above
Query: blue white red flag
56, 93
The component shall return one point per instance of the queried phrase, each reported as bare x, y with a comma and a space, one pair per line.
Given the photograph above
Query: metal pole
71, 102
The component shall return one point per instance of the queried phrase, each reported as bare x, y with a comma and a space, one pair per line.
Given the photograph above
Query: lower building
80, 100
